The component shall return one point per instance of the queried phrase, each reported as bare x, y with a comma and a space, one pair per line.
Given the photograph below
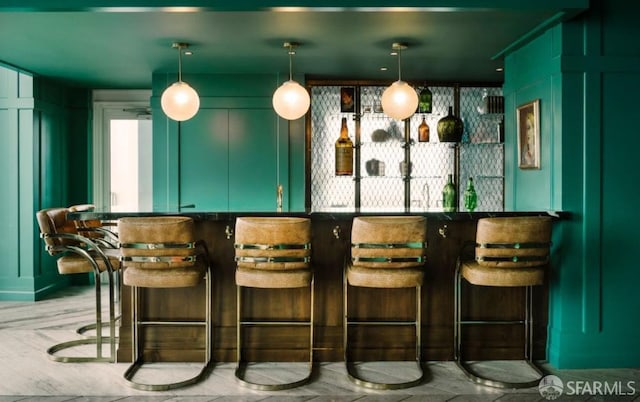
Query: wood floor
27, 374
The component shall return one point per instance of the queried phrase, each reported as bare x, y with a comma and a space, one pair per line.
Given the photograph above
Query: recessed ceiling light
383, 69
499, 69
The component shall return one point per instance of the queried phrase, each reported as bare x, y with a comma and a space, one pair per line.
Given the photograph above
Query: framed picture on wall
347, 100
528, 123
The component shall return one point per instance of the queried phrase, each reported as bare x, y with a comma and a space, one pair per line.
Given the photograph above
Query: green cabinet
232, 155
229, 160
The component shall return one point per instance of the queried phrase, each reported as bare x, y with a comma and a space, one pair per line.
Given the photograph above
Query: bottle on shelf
449, 195
423, 131
424, 102
470, 196
344, 152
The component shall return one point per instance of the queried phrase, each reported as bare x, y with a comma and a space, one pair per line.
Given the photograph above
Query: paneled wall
586, 74
44, 163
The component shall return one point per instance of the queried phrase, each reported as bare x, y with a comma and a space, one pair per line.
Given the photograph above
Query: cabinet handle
443, 231
228, 231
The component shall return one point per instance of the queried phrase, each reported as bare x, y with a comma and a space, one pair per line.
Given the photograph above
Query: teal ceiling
120, 44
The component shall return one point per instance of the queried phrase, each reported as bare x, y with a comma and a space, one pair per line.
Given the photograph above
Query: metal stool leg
527, 322
351, 367
137, 354
241, 364
98, 339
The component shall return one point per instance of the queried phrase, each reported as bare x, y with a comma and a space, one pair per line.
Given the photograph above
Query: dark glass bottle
450, 128
344, 152
449, 196
470, 196
423, 131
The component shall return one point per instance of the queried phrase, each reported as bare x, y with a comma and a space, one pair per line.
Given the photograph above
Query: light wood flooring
27, 374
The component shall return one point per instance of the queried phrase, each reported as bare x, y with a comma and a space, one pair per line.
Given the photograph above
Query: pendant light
291, 100
180, 101
399, 100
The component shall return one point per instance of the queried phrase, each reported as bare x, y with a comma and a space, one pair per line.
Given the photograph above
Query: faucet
279, 198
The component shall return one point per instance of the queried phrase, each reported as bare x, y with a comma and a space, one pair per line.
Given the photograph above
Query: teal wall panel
589, 82
44, 138
253, 160
204, 161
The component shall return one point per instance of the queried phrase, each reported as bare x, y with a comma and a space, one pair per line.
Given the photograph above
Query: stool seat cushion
164, 278
482, 275
273, 243
260, 278
76, 264
384, 277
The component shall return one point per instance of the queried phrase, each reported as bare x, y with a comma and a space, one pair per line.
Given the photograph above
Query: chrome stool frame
378, 256
108, 242
241, 368
138, 360
502, 256
58, 242
266, 254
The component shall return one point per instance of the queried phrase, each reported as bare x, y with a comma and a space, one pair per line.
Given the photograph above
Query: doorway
122, 151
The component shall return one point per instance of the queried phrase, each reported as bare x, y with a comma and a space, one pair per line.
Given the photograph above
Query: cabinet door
204, 161
253, 159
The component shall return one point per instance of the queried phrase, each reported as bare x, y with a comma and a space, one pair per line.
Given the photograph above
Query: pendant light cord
399, 66
180, 63
291, 52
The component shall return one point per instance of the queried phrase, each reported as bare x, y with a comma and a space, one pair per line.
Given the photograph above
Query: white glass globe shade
291, 101
180, 102
399, 100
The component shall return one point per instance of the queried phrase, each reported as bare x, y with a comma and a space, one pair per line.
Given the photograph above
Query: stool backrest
158, 242
54, 221
388, 241
513, 241
84, 227
273, 243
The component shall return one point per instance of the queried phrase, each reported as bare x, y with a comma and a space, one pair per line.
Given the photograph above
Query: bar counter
446, 235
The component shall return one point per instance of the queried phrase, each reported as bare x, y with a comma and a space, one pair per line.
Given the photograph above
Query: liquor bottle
344, 152
424, 102
470, 196
423, 131
449, 196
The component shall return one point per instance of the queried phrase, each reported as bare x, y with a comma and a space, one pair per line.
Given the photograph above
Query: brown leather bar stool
509, 252
163, 252
77, 254
272, 253
386, 252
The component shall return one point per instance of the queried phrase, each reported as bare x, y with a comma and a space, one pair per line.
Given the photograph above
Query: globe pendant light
399, 100
179, 101
291, 100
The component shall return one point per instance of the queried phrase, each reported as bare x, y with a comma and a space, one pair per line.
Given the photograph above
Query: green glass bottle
424, 102
470, 196
449, 196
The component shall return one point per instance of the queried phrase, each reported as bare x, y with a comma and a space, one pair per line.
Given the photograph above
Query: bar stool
77, 254
162, 252
107, 240
509, 252
272, 253
386, 252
